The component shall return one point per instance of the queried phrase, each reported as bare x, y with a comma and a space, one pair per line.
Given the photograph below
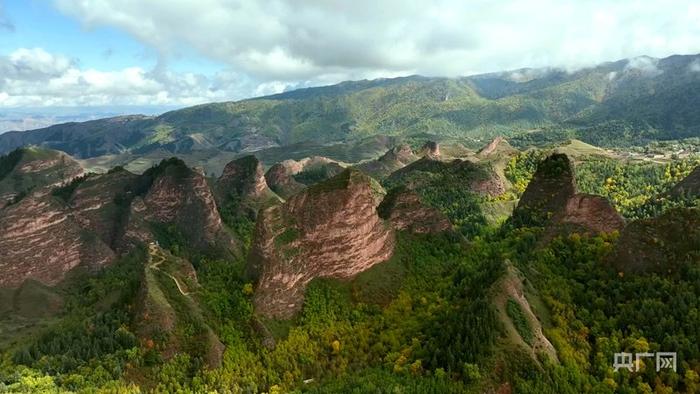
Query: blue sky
172, 53
37, 23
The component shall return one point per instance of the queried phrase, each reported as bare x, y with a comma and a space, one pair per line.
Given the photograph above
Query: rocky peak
329, 230
40, 240
394, 159
282, 177
550, 200
181, 196
96, 206
244, 177
401, 153
281, 181
550, 189
91, 220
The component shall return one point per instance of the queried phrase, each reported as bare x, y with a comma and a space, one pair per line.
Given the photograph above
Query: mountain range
626, 102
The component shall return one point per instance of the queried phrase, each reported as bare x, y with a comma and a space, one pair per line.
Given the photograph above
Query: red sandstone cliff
331, 229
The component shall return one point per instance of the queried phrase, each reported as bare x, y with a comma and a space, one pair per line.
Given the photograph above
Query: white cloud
34, 77
293, 40
272, 46
643, 65
694, 66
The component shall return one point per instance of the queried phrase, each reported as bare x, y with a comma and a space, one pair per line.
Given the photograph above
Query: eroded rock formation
39, 239
181, 196
244, 177
394, 159
330, 230
548, 192
585, 214
551, 200
497, 146
88, 223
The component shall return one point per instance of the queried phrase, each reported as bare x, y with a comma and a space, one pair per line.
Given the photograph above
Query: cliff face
585, 214
550, 200
330, 230
430, 149
46, 234
548, 192
181, 196
394, 159
39, 239
242, 187
405, 211
243, 177
94, 205
280, 180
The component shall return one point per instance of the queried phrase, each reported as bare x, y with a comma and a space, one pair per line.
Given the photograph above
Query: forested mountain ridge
631, 101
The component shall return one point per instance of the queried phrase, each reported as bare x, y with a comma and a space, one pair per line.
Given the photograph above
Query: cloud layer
292, 39
34, 77
270, 46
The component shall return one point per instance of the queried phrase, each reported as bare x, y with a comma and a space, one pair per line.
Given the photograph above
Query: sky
174, 53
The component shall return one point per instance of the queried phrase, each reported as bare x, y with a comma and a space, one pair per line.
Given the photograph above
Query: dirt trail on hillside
155, 251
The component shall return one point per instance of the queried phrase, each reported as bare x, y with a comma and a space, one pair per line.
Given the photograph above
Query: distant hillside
625, 102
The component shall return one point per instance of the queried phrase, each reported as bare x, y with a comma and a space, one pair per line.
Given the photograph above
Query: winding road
155, 251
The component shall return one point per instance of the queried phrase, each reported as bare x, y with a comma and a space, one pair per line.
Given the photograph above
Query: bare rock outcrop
244, 177
548, 192
96, 207
92, 220
286, 178
405, 211
281, 181
585, 214
181, 196
39, 239
551, 200
394, 159
330, 230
